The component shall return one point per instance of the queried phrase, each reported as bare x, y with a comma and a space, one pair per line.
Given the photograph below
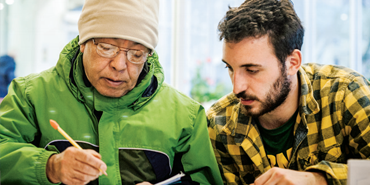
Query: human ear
82, 48
293, 62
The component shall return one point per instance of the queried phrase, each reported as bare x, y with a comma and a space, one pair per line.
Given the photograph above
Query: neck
285, 111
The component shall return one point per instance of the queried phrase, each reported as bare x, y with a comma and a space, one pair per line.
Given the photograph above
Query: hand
74, 166
285, 176
144, 183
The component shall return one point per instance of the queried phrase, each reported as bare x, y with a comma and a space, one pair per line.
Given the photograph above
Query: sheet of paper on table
171, 180
358, 172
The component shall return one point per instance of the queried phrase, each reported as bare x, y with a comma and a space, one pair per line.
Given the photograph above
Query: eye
138, 54
252, 71
106, 47
135, 54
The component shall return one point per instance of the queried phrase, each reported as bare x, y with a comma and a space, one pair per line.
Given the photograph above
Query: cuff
41, 167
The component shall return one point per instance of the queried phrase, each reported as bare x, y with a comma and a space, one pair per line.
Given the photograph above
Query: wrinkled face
112, 77
258, 78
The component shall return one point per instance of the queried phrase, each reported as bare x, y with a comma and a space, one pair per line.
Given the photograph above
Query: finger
88, 158
86, 169
261, 180
72, 178
97, 155
94, 153
276, 177
84, 177
79, 181
144, 183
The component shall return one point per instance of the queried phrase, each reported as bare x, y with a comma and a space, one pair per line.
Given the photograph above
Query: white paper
172, 179
358, 172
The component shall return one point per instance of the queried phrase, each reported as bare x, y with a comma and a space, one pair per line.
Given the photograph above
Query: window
336, 32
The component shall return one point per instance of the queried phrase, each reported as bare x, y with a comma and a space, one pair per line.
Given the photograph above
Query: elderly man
284, 123
107, 93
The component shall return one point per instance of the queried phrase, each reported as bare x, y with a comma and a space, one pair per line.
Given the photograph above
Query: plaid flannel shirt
331, 127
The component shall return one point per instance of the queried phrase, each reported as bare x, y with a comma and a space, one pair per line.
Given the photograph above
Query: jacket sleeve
356, 128
21, 161
198, 160
226, 164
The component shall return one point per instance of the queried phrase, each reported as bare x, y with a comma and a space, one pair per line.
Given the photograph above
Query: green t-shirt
278, 142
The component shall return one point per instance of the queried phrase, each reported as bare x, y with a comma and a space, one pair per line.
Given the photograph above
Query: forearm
21, 158
17, 131
320, 178
335, 173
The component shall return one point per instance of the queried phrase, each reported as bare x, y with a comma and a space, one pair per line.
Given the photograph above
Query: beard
276, 96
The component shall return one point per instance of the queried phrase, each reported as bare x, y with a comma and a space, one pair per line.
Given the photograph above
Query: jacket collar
307, 102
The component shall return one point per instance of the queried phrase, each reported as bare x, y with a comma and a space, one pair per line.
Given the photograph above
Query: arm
199, 160
20, 150
277, 175
355, 127
226, 165
18, 131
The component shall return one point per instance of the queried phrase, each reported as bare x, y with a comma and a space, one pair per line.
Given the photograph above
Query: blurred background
336, 32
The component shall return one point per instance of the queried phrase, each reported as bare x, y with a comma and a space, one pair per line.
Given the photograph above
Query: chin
251, 111
112, 95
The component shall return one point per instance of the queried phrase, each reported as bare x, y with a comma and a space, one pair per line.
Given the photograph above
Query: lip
246, 102
112, 82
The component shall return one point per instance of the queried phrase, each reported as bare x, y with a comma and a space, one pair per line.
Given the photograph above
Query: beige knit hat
134, 20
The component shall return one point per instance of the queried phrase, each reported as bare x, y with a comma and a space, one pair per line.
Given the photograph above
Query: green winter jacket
150, 134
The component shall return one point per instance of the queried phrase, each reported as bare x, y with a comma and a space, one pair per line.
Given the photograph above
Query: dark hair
256, 18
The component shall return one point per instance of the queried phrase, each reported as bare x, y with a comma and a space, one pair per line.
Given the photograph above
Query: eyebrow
136, 43
244, 65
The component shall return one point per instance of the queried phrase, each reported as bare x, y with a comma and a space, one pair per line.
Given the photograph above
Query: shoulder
177, 95
228, 102
337, 77
178, 100
321, 71
35, 78
36, 82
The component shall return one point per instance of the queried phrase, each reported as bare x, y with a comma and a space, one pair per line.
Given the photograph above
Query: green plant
203, 89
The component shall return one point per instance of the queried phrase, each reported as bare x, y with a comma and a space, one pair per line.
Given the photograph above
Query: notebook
358, 172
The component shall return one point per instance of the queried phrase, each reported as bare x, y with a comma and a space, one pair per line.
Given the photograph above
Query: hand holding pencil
74, 165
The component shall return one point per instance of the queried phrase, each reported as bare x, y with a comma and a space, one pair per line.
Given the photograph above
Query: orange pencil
56, 126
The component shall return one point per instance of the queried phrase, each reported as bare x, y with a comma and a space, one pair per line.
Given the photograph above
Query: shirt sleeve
18, 154
226, 164
356, 129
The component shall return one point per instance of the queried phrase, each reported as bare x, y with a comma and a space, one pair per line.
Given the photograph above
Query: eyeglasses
111, 51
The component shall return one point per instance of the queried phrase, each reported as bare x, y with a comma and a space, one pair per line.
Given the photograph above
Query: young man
285, 122
107, 93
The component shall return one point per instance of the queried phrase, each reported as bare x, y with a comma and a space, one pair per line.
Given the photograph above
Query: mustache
244, 96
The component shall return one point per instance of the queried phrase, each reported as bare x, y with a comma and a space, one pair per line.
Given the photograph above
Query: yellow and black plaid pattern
331, 127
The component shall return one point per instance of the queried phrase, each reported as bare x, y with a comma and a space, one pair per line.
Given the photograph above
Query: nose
119, 62
240, 82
